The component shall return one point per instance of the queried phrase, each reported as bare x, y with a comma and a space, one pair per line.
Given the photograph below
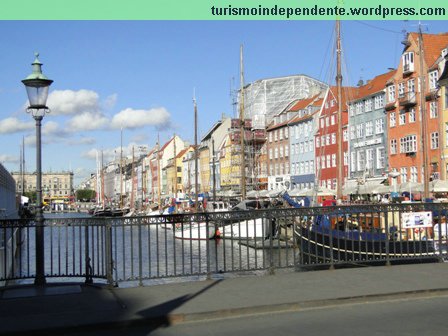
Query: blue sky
140, 75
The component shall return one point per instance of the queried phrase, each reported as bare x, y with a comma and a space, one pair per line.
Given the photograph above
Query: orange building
404, 101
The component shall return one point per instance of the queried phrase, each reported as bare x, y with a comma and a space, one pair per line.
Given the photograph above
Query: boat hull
194, 231
320, 245
251, 228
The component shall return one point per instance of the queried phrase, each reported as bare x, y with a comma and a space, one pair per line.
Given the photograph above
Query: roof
377, 84
302, 104
166, 144
432, 45
183, 151
212, 129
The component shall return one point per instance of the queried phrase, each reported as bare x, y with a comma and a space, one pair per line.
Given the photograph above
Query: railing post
88, 266
207, 242
386, 227
140, 255
331, 242
271, 245
108, 253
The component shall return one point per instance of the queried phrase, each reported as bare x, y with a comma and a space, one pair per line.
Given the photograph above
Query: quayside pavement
62, 309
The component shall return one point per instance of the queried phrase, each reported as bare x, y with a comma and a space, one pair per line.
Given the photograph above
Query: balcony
407, 99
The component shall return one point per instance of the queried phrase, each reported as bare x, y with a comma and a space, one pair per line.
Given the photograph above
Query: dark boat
102, 212
345, 242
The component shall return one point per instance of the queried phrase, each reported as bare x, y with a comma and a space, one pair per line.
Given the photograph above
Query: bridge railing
139, 249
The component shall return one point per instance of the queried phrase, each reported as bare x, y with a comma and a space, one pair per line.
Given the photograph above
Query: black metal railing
122, 249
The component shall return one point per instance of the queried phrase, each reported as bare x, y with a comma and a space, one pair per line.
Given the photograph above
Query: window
408, 144
333, 121
379, 102
352, 132
275, 135
286, 133
281, 133
345, 135
318, 163
361, 160
327, 139
281, 152
333, 160
302, 166
369, 128
332, 102
435, 140
391, 93
286, 151
305, 146
359, 107
351, 110
433, 113
307, 167
368, 105
333, 138
328, 160
400, 90
414, 174
305, 129
301, 147
322, 125
276, 153
393, 146
270, 136
402, 118
322, 140
369, 158
297, 131
311, 145
360, 131
276, 169
317, 142
411, 85
345, 158
380, 158
379, 126
322, 160
392, 119
433, 76
179, 169
327, 121
412, 115
353, 161
408, 62
404, 174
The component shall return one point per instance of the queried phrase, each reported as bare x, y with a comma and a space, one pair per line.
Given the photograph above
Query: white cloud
82, 141
130, 118
9, 159
107, 154
69, 102
14, 125
87, 121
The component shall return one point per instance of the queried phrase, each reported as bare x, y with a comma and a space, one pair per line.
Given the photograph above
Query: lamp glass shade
37, 91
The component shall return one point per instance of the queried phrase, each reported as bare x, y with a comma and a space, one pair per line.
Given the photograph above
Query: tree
85, 194
32, 195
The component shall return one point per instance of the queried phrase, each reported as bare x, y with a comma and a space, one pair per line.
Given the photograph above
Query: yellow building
443, 83
230, 158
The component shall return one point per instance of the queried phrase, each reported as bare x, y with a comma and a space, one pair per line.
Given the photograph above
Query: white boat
194, 231
250, 228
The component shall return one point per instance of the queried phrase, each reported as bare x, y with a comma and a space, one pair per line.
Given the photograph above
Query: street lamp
37, 86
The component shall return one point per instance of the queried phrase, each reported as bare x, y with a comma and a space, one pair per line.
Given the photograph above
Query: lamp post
37, 86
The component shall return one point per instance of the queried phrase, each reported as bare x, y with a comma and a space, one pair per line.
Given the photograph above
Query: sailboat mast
158, 171
102, 181
213, 165
340, 154
423, 115
132, 180
121, 168
242, 161
196, 189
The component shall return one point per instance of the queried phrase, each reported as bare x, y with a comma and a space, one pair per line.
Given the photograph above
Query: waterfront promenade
73, 308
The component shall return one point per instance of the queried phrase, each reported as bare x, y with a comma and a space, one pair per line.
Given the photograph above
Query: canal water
146, 253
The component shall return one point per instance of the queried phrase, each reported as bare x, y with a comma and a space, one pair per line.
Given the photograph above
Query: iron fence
121, 249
